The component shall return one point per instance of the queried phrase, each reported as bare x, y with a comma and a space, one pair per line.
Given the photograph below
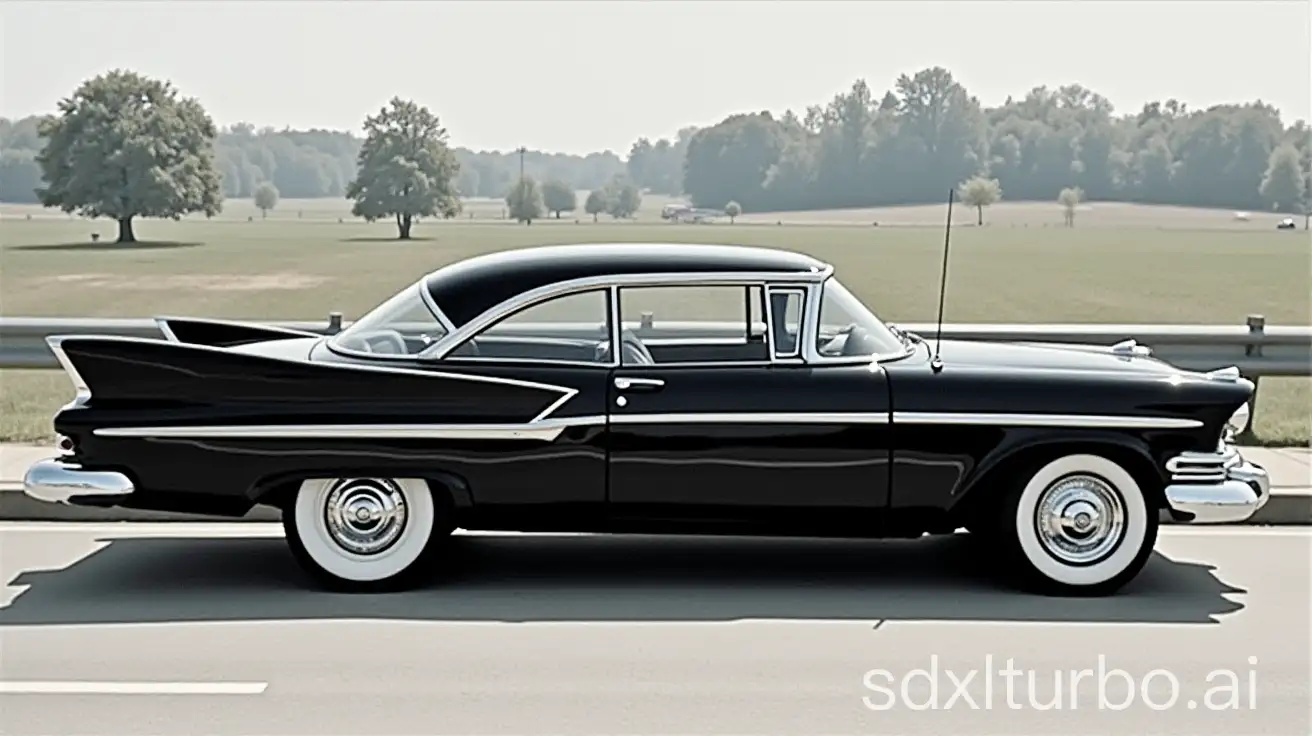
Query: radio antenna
936, 364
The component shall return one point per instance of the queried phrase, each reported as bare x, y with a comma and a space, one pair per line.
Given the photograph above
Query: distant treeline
313, 163
909, 145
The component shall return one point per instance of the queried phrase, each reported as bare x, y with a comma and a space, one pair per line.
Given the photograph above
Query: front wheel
1080, 525
364, 534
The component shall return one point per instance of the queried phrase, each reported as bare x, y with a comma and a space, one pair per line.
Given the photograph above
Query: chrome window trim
609, 311
427, 296
746, 340
811, 351
801, 291
441, 348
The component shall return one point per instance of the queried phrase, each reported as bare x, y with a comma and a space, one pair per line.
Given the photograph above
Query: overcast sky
585, 76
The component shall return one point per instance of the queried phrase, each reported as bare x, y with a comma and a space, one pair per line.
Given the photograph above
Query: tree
624, 199
1069, 199
125, 146
557, 196
1282, 186
266, 197
596, 203
405, 168
733, 209
979, 193
525, 201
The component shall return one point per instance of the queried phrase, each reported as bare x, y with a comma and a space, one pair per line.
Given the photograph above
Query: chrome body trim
544, 430
56, 481
55, 340
754, 418
80, 385
1229, 374
1090, 421
1216, 488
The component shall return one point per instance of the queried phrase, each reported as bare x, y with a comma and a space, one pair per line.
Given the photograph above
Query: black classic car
656, 389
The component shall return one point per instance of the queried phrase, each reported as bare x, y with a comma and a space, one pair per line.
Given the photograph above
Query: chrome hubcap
365, 515
1080, 519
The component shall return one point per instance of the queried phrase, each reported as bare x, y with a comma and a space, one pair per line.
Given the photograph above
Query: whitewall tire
1079, 525
362, 534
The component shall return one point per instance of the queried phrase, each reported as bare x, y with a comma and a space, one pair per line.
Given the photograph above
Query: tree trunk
594, 216
403, 224
125, 234
980, 221
557, 214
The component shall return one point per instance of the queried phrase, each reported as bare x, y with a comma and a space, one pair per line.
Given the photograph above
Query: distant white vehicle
1287, 224
687, 213
1241, 216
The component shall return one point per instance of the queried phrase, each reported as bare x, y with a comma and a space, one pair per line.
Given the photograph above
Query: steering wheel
384, 339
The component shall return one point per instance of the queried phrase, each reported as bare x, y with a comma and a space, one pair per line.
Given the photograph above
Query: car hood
296, 348
1048, 356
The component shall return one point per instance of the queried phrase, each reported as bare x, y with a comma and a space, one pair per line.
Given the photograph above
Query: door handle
639, 384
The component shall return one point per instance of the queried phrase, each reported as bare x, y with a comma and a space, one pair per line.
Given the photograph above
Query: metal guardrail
1254, 347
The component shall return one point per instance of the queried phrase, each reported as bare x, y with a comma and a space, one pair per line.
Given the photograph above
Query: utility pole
522, 151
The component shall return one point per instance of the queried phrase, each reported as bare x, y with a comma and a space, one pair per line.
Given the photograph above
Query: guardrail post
1256, 331
334, 323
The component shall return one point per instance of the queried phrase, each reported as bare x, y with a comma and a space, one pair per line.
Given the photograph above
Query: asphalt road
140, 629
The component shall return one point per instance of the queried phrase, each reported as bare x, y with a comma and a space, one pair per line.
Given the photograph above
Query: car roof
468, 288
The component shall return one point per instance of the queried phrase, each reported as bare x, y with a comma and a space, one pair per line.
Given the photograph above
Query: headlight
1238, 421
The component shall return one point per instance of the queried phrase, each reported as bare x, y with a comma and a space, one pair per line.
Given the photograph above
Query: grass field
1123, 263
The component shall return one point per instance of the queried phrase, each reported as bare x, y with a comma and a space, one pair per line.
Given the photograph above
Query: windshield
849, 329
403, 325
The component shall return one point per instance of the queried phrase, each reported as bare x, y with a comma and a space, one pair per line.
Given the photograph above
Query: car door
761, 443
554, 476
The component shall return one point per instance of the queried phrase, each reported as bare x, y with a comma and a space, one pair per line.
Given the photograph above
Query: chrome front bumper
1216, 487
57, 481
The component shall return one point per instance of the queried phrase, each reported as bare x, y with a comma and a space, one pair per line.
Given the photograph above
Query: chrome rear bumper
1216, 488
57, 481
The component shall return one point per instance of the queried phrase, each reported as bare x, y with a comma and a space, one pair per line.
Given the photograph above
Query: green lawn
290, 267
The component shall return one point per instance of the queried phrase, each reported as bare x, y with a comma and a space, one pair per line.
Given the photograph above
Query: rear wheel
1078, 525
364, 534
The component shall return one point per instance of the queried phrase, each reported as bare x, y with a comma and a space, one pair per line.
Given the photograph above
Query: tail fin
223, 333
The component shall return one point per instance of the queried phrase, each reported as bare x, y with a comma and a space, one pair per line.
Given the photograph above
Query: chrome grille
1202, 467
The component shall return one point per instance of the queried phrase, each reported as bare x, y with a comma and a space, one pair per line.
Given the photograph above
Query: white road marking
58, 687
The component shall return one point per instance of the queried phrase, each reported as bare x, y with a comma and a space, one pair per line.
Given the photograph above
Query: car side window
692, 324
574, 328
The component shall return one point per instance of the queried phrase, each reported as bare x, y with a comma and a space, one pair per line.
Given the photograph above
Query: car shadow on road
597, 578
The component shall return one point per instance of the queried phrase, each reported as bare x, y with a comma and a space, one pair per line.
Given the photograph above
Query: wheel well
988, 487
447, 489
